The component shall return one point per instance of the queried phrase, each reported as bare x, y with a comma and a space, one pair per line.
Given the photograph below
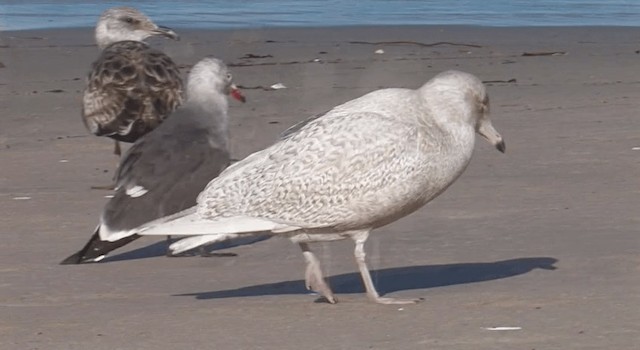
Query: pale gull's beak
235, 93
489, 132
166, 31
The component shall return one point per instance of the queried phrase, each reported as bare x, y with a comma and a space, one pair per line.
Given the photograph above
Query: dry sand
565, 195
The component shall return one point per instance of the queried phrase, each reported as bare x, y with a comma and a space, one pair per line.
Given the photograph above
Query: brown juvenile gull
163, 172
132, 87
360, 166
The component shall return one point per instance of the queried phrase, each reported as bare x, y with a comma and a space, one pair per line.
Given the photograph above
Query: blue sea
229, 14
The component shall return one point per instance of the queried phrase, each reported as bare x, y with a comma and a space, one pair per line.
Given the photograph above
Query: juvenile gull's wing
130, 90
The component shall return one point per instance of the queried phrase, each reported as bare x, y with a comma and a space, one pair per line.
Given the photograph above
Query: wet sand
564, 196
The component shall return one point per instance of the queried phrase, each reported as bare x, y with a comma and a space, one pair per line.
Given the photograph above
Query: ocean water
18, 15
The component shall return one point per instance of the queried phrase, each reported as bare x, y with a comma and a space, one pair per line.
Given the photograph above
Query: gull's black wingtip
96, 249
73, 259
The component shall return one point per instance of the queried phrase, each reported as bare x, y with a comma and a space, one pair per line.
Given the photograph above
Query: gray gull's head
211, 73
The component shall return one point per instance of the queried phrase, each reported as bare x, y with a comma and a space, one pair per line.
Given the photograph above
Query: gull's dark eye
129, 20
229, 77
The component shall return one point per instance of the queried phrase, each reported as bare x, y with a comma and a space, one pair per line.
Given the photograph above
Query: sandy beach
543, 240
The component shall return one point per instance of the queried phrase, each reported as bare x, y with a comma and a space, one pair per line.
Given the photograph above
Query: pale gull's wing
339, 171
296, 127
131, 89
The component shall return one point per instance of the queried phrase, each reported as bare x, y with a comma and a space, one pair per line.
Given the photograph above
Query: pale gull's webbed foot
394, 301
313, 278
360, 237
204, 253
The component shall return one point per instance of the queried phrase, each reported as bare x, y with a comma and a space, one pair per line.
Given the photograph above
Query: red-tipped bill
235, 93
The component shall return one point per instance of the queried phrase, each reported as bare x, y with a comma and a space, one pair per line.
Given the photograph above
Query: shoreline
347, 27
540, 36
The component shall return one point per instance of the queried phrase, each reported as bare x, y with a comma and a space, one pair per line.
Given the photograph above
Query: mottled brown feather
130, 90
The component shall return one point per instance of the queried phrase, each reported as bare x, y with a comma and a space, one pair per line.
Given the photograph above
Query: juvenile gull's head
126, 23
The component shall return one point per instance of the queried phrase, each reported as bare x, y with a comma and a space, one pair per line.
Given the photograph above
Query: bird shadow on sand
160, 249
398, 278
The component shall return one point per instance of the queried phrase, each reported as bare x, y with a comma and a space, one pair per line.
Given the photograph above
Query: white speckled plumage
359, 166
